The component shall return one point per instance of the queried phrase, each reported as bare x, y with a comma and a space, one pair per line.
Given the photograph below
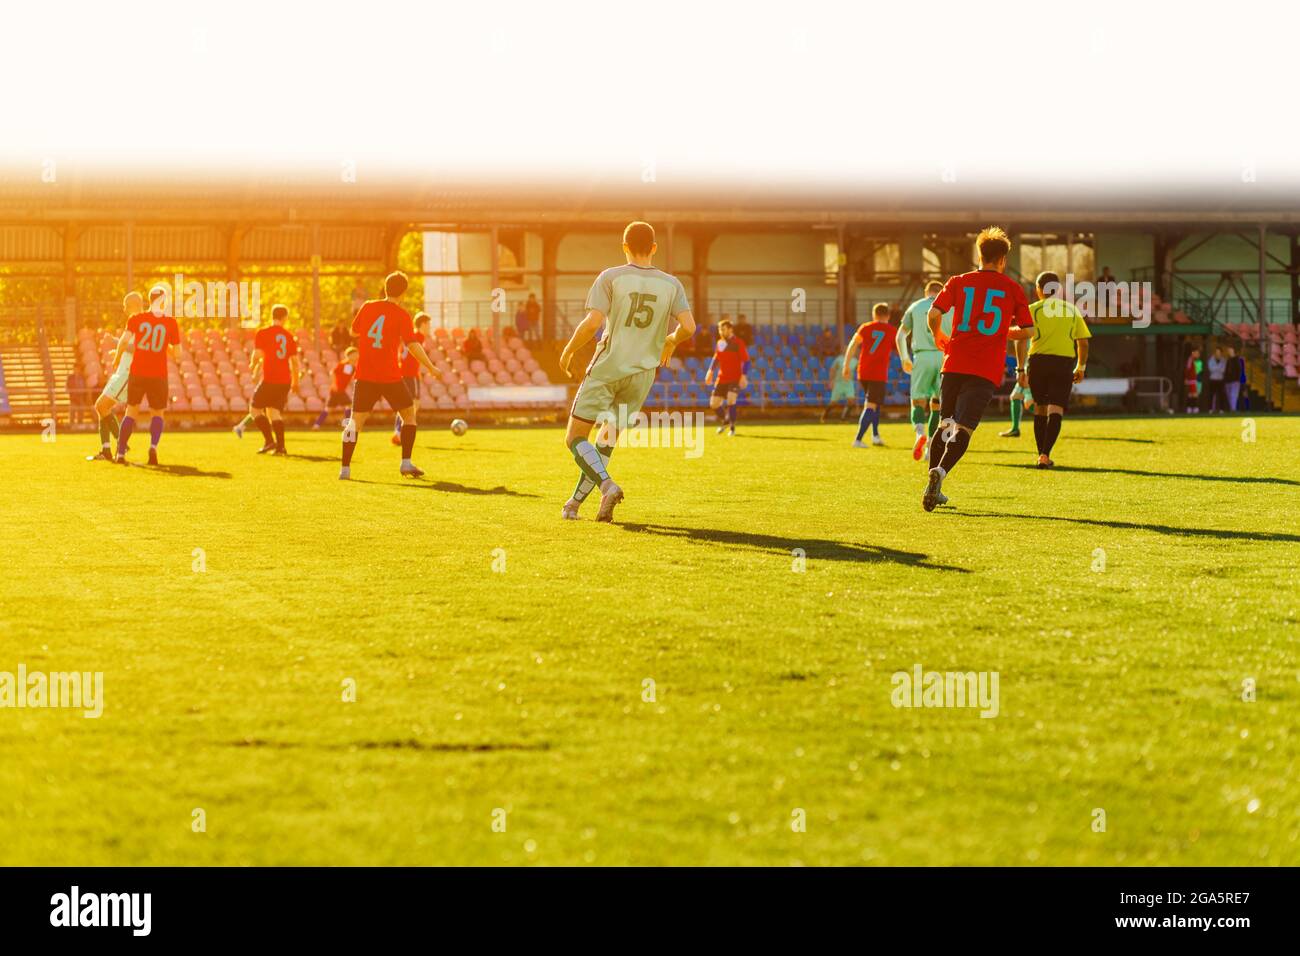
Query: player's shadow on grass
1137, 473
1134, 441
188, 471
748, 435
816, 549
459, 489
1226, 534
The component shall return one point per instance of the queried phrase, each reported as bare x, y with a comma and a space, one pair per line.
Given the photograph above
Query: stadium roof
376, 198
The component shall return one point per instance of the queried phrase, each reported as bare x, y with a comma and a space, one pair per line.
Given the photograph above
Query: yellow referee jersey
1057, 326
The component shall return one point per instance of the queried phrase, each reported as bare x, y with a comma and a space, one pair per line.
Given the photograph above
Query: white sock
406, 462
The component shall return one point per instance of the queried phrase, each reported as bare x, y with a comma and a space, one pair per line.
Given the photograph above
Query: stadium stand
784, 373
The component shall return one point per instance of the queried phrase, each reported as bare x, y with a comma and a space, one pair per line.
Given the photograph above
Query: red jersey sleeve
259, 340
359, 320
943, 301
744, 352
408, 332
1021, 314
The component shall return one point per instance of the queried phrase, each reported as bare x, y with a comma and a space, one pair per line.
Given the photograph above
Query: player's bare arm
855, 342
904, 356
1081, 364
294, 372
1022, 347
580, 337
421, 356
934, 319
1019, 332
685, 329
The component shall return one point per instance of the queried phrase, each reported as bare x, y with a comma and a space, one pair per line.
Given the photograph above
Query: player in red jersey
731, 361
154, 333
340, 380
382, 326
990, 309
874, 342
411, 372
275, 352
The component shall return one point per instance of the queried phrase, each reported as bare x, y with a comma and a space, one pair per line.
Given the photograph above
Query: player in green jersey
923, 364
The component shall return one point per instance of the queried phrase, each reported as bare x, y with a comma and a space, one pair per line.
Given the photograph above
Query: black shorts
963, 397
271, 395
413, 386
1051, 379
339, 400
366, 394
142, 387
724, 389
875, 391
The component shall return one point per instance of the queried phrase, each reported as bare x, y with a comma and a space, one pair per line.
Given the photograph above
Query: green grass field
1122, 599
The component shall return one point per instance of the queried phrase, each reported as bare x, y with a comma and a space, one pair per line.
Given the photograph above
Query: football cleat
345, 473
397, 439
858, 443
877, 440
1010, 433
268, 447
238, 430
280, 453
609, 498
918, 447
1045, 462
570, 510
410, 471
120, 460
941, 499
931, 496
153, 456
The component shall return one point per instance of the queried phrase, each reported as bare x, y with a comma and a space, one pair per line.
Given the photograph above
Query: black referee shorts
963, 398
1051, 379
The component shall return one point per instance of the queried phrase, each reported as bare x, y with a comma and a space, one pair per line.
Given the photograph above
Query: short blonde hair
993, 243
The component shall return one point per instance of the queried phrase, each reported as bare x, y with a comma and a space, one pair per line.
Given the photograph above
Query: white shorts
116, 386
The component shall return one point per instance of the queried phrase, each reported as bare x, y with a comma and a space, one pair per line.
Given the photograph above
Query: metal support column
1263, 314
315, 280
130, 257
494, 237
551, 239
700, 245
843, 295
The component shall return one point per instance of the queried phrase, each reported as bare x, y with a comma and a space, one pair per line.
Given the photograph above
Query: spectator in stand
534, 310
826, 345
1216, 370
521, 321
704, 340
472, 347
78, 396
1243, 393
359, 297
745, 331
1232, 378
1192, 381
340, 337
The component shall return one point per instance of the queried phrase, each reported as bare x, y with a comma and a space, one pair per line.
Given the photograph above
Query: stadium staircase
35, 381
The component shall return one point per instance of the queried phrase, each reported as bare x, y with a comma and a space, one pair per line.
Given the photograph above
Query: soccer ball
459, 426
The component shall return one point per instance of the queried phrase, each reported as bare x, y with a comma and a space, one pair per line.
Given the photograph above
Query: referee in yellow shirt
1058, 356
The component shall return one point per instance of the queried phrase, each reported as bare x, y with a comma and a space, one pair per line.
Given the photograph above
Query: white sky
807, 91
